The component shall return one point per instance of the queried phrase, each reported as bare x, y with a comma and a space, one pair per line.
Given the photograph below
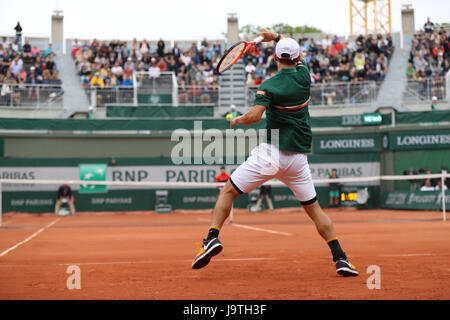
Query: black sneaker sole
347, 272
203, 260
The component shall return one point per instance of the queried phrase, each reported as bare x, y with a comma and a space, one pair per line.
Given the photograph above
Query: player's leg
223, 205
246, 178
297, 176
325, 228
211, 245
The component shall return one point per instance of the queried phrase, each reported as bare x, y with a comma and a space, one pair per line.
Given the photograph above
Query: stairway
74, 99
232, 89
394, 85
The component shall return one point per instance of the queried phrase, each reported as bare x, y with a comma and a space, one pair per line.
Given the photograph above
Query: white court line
158, 261
408, 255
253, 228
29, 238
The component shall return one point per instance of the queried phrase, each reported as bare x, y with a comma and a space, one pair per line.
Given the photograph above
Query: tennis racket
234, 53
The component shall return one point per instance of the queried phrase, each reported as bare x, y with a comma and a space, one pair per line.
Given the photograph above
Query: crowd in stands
26, 73
429, 59
105, 64
329, 60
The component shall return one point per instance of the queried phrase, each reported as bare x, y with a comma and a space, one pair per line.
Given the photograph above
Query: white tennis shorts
268, 162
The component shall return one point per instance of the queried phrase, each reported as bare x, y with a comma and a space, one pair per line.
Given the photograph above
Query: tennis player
285, 98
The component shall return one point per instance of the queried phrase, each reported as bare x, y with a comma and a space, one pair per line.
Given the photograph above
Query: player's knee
229, 190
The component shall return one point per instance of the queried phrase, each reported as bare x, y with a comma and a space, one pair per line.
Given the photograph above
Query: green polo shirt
286, 96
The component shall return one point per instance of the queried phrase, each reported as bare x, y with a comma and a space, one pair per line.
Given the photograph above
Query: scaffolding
370, 16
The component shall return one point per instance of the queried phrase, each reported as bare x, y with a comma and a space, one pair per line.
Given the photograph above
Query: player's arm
252, 116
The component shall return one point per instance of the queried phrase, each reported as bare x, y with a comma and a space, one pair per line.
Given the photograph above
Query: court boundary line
4, 253
234, 224
160, 261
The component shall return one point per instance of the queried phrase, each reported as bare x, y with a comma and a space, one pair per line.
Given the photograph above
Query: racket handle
259, 39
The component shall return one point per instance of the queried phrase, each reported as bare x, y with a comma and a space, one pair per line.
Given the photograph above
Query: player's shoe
209, 249
345, 268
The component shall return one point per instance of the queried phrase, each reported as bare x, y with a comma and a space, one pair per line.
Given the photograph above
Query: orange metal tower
370, 16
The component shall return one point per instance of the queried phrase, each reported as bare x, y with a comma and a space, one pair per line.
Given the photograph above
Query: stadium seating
28, 76
429, 63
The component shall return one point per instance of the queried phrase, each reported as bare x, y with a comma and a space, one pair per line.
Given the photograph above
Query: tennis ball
229, 117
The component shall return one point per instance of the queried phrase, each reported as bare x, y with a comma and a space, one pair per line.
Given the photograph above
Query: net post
444, 214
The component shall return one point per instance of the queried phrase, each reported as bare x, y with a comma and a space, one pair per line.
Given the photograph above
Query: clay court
144, 255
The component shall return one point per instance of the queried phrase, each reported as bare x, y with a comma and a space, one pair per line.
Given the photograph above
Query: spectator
162, 65
144, 48
154, 71
439, 186
97, 81
434, 103
91, 112
428, 27
233, 112
49, 50
410, 72
334, 189
250, 68
427, 186
16, 65
160, 49
4, 43
18, 29
50, 64
26, 52
35, 51
127, 81
222, 177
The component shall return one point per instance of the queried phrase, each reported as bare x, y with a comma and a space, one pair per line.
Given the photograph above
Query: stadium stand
28, 76
361, 59
429, 62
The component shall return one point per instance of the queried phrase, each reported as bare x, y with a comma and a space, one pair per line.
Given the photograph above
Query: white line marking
29, 238
253, 228
158, 261
408, 255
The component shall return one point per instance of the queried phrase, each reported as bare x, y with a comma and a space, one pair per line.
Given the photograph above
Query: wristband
278, 38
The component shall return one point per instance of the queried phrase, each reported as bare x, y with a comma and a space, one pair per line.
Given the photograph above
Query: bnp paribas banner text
166, 173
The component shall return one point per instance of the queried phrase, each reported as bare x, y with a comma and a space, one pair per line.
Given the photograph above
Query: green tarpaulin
159, 111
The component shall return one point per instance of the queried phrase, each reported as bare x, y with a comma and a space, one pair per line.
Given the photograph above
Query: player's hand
235, 121
268, 35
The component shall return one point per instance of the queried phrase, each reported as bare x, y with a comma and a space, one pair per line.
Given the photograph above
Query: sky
195, 19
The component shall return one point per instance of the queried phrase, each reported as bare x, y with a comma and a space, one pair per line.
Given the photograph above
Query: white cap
287, 48
233, 107
434, 98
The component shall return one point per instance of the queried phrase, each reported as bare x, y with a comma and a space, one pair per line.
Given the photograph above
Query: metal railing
199, 95
422, 90
99, 96
336, 93
27, 95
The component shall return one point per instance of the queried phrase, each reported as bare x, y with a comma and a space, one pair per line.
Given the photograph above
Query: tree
251, 31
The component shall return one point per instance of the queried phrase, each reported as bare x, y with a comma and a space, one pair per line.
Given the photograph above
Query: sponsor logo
423, 140
347, 144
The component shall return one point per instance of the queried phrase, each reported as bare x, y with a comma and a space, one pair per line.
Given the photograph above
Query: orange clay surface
144, 255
